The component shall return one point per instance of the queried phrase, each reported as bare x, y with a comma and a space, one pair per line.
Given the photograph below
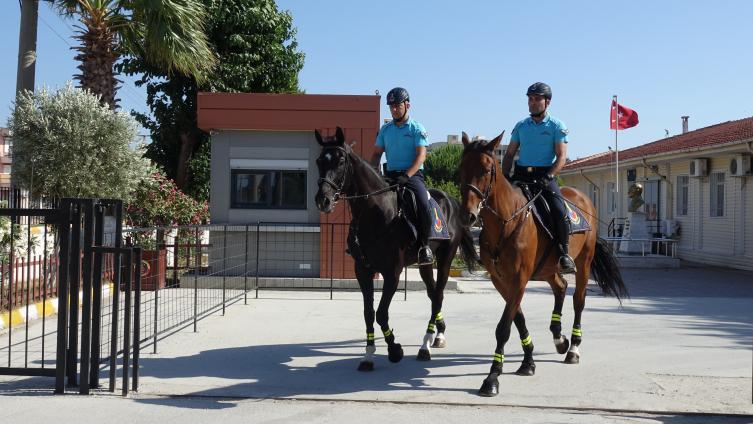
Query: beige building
5, 157
697, 187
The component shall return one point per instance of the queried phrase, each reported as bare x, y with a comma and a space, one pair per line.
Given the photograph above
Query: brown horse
515, 250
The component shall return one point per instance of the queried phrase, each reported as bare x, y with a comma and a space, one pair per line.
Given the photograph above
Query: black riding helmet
540, 89
397, 95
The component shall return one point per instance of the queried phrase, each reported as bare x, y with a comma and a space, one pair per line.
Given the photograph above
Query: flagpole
616, 150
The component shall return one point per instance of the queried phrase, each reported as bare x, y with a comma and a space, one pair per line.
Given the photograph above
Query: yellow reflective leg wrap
556, 317
577, 332
370, 336
498, 357
430, 329
387, 332
527, 341
439, 316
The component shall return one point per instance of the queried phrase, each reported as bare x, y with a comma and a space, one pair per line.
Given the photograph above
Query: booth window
268, 189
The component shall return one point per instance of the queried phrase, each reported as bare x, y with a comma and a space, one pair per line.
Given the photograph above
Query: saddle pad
578, 223
439, 222
439, 229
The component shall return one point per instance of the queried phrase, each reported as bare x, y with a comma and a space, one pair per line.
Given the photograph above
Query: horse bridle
485, 194
338, 188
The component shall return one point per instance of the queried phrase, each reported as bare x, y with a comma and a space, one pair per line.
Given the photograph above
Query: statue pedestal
636, 228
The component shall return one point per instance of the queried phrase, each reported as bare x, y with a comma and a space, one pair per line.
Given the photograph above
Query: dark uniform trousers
418, 187
553, 197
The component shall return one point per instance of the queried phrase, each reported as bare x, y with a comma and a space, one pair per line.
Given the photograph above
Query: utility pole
27, 62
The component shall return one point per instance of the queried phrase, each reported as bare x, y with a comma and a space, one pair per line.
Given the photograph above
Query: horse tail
606, 271
468, 249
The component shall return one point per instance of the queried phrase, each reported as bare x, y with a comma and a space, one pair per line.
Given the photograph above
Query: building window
268, 189
611, 199
682, 195
593, 193
716, 183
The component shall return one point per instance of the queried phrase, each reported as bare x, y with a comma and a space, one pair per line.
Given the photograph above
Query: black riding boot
425, 256
566, 263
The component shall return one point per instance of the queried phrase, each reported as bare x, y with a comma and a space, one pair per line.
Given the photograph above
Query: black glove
403, 179
545, 180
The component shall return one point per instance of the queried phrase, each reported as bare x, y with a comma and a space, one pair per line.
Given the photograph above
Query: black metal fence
69, 347
178, 276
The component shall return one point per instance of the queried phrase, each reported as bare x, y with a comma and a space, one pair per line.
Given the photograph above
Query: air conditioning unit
739, 166
699, 167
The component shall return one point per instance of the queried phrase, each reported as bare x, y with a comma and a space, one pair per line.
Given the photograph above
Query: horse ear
340, 136
318, 138
465, 139
495, 142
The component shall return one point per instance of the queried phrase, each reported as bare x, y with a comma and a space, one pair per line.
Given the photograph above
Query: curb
40, 309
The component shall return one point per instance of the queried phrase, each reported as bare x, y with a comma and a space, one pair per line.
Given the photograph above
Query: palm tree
167, 33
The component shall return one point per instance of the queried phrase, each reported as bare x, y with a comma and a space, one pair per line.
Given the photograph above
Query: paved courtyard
679, 350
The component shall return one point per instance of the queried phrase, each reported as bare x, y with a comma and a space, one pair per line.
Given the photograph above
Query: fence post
224, 266
245, 272
99, 230
127, 319
75, 285
61, 360
117, 272
331, 259
137, 318
258, 236
86, 306
197, 259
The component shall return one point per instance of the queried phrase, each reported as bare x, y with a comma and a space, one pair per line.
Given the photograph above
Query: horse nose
323, 203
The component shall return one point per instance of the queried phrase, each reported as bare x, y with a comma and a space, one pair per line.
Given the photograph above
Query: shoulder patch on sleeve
564, 131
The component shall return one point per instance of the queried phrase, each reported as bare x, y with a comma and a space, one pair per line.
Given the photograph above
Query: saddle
407, 207
542, 213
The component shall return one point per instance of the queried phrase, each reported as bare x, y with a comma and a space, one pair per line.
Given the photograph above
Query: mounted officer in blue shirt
542, 142
404, 141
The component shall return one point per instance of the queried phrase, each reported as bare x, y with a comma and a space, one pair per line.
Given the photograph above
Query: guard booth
264, 175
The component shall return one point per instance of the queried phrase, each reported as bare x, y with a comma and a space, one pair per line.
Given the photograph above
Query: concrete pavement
680, 346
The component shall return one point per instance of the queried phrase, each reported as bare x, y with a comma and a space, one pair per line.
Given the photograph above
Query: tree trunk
96, 56
187, 144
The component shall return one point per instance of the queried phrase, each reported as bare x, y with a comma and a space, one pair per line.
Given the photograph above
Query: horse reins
339, 188
485, 196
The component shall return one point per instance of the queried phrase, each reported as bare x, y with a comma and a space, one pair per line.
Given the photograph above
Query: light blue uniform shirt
537, 141
400, 143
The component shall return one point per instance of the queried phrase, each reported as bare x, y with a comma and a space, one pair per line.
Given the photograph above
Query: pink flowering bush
158, 202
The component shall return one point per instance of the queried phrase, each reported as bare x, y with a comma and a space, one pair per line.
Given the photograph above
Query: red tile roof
726, 132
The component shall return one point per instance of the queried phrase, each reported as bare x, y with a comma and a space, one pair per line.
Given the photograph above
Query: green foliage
442, 169
449, 187
65, 144
257, 52
443, 164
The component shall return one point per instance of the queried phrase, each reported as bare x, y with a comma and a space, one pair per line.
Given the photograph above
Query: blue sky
467, 65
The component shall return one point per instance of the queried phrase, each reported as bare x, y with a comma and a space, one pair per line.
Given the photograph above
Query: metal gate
94, 328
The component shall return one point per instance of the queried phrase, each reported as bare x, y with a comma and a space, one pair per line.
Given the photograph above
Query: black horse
379, 241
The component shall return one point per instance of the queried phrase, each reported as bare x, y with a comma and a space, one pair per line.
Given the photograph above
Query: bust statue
634, 193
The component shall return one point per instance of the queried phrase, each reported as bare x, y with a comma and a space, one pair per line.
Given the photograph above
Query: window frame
276, 175
716, 194
682, 202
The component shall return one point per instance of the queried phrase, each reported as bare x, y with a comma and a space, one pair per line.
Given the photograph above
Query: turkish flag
622, 117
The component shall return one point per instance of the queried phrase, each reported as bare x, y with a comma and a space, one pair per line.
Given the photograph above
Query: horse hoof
366, 366
563, 345
423, 355
395, 352
439, 343
526, 369
489, 388
572, 358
